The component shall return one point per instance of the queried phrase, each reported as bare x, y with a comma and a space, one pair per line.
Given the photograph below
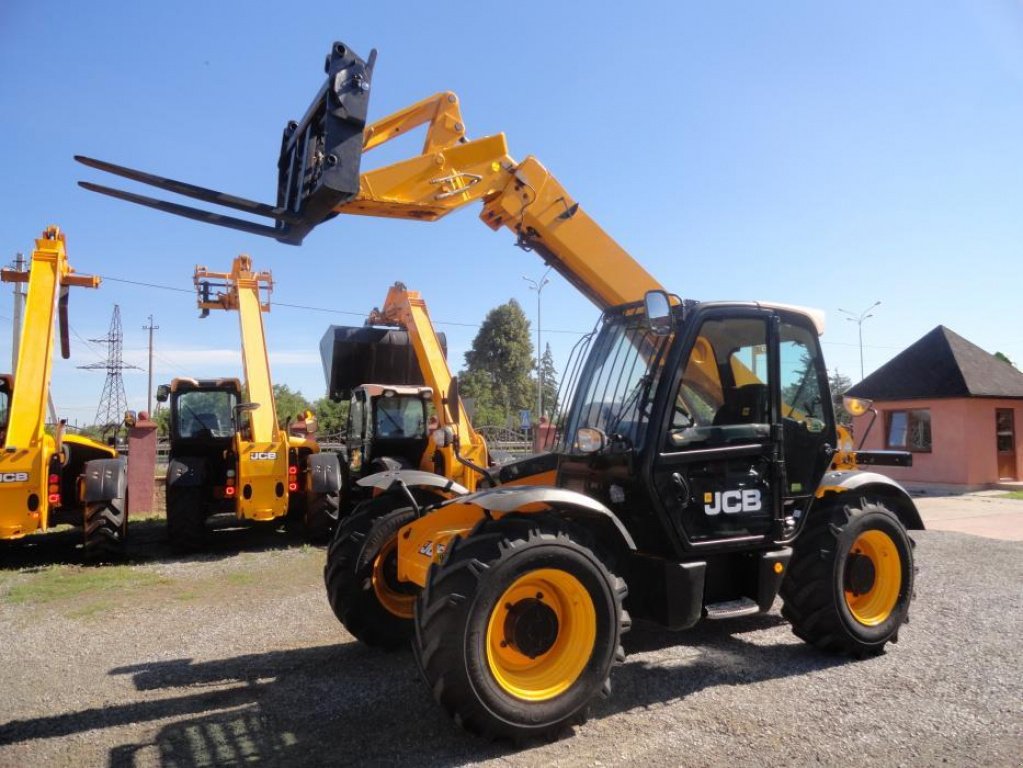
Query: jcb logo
263, 456
732, 502
428, 549
14, 477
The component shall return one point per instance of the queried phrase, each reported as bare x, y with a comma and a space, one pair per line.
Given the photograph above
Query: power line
310, 308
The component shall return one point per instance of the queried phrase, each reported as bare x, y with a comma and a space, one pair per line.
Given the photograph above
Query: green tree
550, 382
497, 367
290, 405
162, 419
1004, 358
331, 416
839, 385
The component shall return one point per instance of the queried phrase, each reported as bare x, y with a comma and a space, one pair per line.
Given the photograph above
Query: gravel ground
235, 658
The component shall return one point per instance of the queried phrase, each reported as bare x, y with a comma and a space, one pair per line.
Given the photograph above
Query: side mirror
658, 312
245, 407
162, 393
454, 401
62, 321
130, 419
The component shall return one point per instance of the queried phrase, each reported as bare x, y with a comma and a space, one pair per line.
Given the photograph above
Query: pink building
956, 407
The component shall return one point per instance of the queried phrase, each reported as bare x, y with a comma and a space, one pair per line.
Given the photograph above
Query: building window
910, 430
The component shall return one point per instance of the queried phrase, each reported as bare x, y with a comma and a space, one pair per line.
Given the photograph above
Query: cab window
206, 414
800, 383
723, 396
400, 417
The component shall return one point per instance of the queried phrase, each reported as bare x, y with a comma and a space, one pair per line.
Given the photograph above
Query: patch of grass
1012, 495
62, 582
242, 578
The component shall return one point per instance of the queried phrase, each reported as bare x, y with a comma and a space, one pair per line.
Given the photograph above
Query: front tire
518, 629
361, 576
850, 582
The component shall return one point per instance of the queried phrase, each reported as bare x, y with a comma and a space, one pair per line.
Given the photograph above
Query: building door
1005, 435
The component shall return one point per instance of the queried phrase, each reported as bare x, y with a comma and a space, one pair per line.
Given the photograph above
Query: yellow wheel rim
386, 585
873, 578
541, 635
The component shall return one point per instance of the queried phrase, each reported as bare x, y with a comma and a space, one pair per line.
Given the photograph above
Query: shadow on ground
347, 704
146, 543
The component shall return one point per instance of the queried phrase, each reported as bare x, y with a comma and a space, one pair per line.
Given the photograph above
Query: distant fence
503, 443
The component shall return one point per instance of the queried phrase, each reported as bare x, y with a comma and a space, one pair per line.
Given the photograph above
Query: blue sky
811, 153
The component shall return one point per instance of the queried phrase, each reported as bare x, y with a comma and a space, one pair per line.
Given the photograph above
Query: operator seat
208, 425
743, 405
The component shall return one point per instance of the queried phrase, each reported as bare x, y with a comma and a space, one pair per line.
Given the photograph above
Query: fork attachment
318, 169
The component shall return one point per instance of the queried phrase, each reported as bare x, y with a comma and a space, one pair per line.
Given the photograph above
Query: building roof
941, 364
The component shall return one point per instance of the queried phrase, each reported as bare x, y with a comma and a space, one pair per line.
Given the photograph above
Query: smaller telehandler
51, 479
228, 453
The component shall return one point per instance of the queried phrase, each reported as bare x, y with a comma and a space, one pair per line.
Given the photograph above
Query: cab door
719, 472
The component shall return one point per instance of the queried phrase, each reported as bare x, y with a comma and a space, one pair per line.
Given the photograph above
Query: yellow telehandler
696, 466
228, 454
397, 454
52, 479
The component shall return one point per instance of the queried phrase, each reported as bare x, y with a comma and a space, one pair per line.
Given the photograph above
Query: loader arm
49, 278
407, 309
450, 172
241, 290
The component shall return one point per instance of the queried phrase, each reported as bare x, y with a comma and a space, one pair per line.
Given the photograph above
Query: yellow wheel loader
53, 479
696, 471
228, 454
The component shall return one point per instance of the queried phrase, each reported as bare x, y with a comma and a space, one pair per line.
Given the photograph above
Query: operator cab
387, 427
712, 429
202, 410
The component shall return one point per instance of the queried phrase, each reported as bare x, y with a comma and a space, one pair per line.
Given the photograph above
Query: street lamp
537, 285
858, 319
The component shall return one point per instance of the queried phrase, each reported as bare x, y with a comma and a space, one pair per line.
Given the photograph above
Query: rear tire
850, 581
518, 629
186, 518
361, 575
105, 529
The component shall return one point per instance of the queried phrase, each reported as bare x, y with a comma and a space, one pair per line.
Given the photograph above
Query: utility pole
150, 328
858, 319
537, 285
19, 309
112, 402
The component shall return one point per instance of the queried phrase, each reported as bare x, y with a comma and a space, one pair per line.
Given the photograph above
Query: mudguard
187, 472
424, 541
569, 504
413, 478
876, 485
324, 472
104, 479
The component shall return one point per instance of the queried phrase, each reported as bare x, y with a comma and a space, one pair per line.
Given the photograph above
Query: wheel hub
531, 627
860, 574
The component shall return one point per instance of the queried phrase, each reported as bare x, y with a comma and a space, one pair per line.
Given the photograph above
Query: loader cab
387, 427
204, 414
712, 431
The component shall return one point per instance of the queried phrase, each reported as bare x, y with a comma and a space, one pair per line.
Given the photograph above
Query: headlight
857, 406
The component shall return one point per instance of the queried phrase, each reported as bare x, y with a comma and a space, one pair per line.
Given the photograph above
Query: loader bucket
360, 355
